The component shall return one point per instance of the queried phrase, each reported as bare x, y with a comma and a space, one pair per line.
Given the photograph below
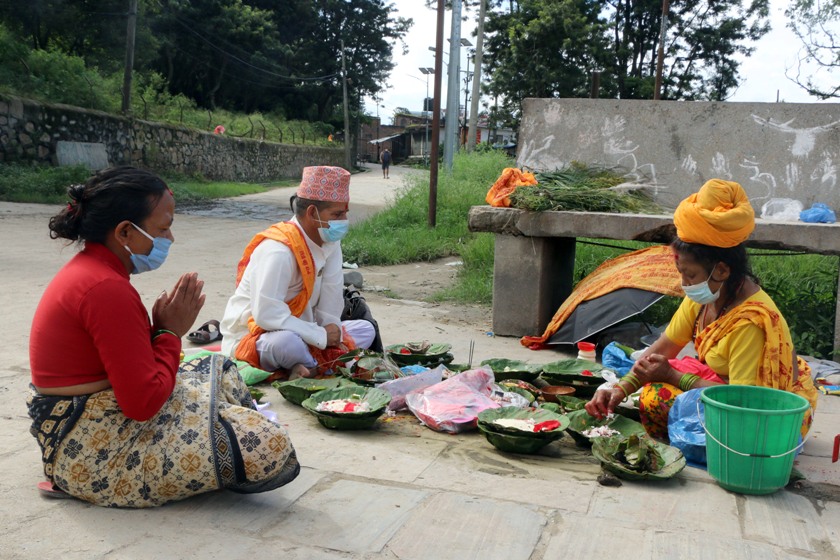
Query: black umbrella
599, 313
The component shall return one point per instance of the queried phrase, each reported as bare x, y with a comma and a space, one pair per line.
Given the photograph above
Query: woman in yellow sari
737, 330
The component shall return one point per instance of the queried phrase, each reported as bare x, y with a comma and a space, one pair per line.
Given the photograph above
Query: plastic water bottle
586, 351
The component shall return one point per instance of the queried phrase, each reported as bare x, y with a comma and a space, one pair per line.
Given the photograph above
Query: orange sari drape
290, 235
775, 368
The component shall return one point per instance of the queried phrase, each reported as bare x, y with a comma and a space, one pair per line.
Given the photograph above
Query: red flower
405, 351
664, 393
586, 372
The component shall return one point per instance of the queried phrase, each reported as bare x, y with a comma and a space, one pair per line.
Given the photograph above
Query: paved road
400, 491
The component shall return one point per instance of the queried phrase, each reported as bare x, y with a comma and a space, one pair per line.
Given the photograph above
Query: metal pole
129, 55
433, 166
660, 52
426, 114
348, 160
479, 53
466, 100
452, 87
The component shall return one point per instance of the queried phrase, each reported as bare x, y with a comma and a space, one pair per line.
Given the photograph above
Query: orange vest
291, 236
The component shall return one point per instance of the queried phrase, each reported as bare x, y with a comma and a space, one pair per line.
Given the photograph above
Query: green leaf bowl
298, 390
486, 419
580, 421
377, 398
514, 444
435, 354
504, 368
673, 461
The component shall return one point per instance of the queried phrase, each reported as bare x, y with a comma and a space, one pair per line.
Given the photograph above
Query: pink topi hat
323, 182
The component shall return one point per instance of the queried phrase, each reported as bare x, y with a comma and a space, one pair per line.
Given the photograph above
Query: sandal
206, 333
49, 490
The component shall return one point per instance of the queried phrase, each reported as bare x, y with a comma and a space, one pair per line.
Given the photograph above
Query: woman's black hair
106, 199
299, 205
708, 256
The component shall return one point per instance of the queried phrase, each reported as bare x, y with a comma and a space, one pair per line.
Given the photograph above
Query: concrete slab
474, 467
687, 506
347, 515
577, 537
698, 546
785, 519
457, 526
253, 513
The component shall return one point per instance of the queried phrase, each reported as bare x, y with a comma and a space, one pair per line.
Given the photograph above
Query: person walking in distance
385, 160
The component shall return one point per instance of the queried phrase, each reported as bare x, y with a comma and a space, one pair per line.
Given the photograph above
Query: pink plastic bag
400, 387
453, 405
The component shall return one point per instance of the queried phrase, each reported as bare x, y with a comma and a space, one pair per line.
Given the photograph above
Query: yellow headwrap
719, 214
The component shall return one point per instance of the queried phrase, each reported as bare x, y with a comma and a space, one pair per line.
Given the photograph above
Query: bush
32, 183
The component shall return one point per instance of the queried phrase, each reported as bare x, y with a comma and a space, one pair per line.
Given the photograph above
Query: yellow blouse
737, 355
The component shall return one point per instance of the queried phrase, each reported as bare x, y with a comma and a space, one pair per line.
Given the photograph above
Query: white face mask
701, 293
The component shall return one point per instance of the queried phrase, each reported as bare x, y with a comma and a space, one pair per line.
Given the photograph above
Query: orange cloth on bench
649, 269
508, 181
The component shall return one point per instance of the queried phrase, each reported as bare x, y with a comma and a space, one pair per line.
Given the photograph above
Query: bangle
623, 390
164, 331
687, 381
633, 381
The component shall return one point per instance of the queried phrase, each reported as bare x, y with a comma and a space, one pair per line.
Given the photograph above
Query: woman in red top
120, 421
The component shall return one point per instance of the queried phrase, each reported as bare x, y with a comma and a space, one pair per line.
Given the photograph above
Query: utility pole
660, 52
479, 53
348, 160
466, 101
452, 88
129, 56
433, 165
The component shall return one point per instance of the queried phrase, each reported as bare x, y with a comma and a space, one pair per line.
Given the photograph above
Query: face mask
701, 293
145, 263
335, 232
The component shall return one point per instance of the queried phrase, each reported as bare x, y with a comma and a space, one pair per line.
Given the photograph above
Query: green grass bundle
584, 189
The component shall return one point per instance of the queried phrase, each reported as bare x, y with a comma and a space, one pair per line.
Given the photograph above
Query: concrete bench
535, 255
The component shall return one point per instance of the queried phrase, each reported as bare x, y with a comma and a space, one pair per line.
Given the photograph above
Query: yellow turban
719, 214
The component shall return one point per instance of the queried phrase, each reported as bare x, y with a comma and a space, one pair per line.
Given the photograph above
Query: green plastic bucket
752, 436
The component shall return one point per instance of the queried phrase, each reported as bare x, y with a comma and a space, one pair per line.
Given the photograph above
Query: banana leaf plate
487, 418
661, 461
504, 368
573, 372
580, 421
348, 420
298, 390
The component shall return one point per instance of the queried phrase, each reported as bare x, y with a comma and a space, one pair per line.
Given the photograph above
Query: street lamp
426, 72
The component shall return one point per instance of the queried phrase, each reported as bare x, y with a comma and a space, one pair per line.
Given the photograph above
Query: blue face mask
335, 232
701, 293
145, 263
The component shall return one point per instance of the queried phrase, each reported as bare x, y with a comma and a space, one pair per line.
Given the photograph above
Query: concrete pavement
400, 491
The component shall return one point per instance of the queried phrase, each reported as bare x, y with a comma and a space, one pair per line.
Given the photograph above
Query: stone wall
775, 150
30, 131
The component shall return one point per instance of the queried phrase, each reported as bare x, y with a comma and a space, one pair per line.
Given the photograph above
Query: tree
550, 48
817, 25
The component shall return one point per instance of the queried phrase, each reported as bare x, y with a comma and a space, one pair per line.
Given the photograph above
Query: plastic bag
781, 209
616, 359
507, 398
685, 427
819, 213
399, 388
453, 405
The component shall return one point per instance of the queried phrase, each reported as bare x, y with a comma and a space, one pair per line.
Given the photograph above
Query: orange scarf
291, 236
775, 370
510, 179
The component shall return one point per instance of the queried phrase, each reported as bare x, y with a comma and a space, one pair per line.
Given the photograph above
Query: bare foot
300, 370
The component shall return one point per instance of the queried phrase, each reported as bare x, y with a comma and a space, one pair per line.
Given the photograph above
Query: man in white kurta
272, 278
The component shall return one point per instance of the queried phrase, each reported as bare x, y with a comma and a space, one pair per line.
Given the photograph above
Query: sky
763, 73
